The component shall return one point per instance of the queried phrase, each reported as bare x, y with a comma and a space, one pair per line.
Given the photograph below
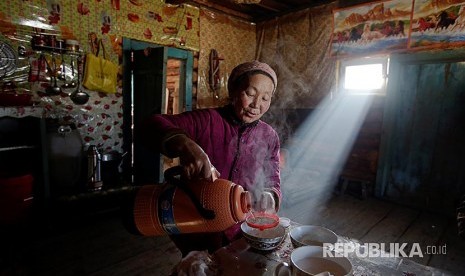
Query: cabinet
23, 166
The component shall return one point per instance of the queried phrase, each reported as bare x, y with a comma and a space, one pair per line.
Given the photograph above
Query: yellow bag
100, 74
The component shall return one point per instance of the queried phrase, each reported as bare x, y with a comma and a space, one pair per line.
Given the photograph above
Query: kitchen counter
22, 111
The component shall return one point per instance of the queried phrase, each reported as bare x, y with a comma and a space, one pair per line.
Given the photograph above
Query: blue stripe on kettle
165, 211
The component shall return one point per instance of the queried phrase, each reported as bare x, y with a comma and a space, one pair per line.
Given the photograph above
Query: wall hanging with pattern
371, 28
389, 26
438, 24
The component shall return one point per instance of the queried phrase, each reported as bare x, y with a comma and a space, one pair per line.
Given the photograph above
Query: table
238, 258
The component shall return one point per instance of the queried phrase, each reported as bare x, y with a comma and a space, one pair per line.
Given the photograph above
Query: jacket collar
228, 112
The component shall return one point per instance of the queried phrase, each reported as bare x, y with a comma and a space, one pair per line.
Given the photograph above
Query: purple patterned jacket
246, 154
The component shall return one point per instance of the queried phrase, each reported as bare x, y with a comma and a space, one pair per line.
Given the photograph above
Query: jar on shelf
72, 45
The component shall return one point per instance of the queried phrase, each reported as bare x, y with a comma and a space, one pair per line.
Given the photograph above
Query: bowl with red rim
266, 239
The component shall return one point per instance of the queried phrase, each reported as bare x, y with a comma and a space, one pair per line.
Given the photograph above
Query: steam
318, 149
317, 127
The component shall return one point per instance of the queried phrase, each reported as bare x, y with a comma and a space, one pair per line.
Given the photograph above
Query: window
364, 76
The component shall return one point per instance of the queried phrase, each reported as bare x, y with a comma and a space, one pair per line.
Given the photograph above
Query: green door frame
187, 58
185, 98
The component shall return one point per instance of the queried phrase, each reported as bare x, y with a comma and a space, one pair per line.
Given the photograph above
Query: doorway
156, 80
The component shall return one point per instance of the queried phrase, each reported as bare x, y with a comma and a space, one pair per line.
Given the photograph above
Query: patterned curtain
297, 46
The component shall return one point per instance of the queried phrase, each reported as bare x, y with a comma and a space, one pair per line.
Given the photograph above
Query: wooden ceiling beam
296, 9
213, 6
273, 5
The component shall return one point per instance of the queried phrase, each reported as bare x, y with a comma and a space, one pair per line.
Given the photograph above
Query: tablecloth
239, 258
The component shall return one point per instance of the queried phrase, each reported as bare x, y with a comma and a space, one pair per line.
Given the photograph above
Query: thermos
94, 174
176, 207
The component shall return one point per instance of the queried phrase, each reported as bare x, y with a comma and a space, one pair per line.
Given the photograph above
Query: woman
230, 142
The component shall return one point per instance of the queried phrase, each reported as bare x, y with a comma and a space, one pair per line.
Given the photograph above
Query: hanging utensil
62, 75
72, 67
55, 89
72, 83
214, 73
7, 60
79, 97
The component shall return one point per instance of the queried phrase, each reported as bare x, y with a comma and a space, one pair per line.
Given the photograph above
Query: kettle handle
170, 176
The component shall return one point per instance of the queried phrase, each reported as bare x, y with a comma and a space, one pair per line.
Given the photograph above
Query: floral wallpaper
99, 120
234, 40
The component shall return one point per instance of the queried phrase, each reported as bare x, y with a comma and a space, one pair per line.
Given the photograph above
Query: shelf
57, 50
22, 111
16, 148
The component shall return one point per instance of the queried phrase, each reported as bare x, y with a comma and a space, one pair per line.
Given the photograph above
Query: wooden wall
422, 149
234, 40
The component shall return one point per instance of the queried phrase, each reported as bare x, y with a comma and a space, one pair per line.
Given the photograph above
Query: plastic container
194, 207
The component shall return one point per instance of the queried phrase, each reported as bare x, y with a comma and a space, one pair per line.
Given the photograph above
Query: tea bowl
311, 260
311, 235
266, 239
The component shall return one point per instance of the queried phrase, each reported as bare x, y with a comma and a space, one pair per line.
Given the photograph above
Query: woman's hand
194, 161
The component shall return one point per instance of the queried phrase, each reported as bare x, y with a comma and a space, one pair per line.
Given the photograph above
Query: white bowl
311, 260
267, 239
311, 235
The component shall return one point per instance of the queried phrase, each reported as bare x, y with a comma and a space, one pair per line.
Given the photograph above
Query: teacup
311, 235
311, 260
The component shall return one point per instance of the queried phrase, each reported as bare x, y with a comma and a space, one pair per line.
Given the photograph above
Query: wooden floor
376, 221
99, 245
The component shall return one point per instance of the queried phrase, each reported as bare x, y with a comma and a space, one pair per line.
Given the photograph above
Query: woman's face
252, 100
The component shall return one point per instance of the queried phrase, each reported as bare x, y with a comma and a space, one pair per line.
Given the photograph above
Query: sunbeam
319, 148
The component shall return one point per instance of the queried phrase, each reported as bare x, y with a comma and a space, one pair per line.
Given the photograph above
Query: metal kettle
94, 173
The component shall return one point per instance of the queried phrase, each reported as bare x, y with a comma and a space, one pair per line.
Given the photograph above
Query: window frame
384, 60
